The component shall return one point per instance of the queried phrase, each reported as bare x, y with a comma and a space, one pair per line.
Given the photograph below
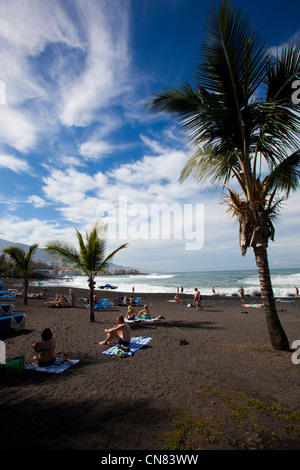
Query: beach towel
135, 344
283, 300
253, 305
139, 320
57, 368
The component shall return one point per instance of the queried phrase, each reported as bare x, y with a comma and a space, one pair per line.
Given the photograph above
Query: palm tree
23, 263
90, 258
240, 137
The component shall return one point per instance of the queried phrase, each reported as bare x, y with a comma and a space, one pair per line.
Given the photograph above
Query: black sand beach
208, 380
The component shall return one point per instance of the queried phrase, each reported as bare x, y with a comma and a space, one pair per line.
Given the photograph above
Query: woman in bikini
131, 314
145, 314
45, 349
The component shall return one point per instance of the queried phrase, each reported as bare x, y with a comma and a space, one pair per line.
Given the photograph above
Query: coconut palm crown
90, 258
23, 263
245, 129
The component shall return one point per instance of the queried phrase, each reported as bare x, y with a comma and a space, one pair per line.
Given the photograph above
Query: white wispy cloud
103, 75
14, 164
16, 130
37, 201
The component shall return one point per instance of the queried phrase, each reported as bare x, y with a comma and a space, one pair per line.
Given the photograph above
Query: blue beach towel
57, 368
138, 320
135, 344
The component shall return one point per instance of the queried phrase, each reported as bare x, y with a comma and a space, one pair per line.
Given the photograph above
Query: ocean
225, 282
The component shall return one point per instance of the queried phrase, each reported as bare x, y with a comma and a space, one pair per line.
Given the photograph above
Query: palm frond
23, 260
105, 262
90, 257
286, 175
65, 252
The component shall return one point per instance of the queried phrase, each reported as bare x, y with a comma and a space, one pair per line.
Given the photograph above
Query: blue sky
76, 142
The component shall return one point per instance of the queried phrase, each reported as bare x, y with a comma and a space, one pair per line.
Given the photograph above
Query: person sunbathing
131, 313
120, 331
146, 315
62, 300
45, 349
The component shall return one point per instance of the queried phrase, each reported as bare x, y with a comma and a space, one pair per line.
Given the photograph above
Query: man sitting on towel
121, 331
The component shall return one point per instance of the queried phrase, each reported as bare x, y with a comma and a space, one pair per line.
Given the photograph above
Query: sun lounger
104, 305
98, 303
7, 296
6, 309
16, 322
58, 303
33, 295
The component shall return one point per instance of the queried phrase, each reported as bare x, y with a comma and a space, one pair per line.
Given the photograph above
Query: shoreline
193, 361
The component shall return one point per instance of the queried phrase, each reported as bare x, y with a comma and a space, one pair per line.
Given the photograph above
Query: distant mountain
40, 254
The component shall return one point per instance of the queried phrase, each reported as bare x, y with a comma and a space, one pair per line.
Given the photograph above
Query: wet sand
197, 364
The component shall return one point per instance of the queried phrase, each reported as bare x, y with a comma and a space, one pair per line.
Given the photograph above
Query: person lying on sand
177, 299
120, 331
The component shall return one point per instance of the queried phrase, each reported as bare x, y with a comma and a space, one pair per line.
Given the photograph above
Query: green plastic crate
14, 366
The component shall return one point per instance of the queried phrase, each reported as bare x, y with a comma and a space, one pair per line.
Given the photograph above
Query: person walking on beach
297, 291
120, 331
72, 298
197, 299
241, 291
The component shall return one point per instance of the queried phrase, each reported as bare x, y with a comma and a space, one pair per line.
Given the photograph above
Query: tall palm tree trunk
91, 298
25, 291
277, 335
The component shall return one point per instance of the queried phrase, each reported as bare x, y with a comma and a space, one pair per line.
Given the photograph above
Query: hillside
41, 254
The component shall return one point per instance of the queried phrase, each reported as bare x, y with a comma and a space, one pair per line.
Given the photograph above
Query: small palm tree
23, 263
237, 133
90, 258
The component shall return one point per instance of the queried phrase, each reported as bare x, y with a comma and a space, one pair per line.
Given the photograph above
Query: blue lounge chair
6, 309
7, 296
98, 303
16, 322
104, 305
